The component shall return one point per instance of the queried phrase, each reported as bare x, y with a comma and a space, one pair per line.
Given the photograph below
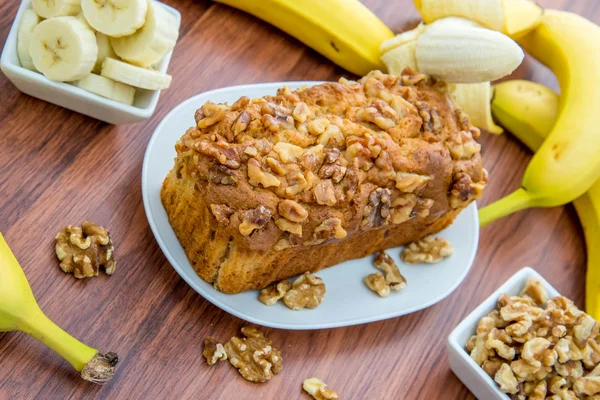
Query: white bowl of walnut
527, 342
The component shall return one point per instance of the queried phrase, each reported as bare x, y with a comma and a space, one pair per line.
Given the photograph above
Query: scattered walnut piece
427, 250
393, 277
213, 351
331, 228
318, 389
376, 282
82, 251
307, 292
255, 218
254, 356
272, 293
535, 347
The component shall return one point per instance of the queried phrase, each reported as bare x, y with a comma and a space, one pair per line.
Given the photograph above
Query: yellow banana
567, 163
514, 18
529, 110
20, 312
345, 31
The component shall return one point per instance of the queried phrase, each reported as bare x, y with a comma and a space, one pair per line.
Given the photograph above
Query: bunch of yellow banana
20, 312
529, 110
567, 163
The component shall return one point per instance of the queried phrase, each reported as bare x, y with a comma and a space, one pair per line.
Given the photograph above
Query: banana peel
19, 311
531, 119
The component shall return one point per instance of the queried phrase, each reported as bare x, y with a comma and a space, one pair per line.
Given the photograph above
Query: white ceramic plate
348, 301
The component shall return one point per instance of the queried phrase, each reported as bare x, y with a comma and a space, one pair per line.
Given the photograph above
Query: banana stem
516, 201
43, 329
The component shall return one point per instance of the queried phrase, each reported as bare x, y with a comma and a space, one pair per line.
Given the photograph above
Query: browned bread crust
269, 188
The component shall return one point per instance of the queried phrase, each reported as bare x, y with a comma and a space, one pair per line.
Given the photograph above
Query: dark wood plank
58, 167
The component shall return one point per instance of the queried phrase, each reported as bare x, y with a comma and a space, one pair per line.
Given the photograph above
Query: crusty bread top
320, 163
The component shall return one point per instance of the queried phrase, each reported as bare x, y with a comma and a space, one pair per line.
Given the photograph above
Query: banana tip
101, 369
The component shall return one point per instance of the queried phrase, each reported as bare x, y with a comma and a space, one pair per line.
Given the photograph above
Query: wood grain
58, 167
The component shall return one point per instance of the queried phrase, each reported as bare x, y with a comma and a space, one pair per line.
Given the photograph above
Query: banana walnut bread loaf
266, 189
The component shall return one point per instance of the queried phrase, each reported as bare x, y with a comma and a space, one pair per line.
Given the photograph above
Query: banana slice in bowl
135, 76
108, 88
56, 8
63, 49
115, 17
28, 23
149, 44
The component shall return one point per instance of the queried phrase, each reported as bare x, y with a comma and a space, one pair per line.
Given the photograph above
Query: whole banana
567, 163
345, 31
20, 312
529, 110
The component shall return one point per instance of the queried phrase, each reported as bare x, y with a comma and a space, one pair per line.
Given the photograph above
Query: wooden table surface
58, 167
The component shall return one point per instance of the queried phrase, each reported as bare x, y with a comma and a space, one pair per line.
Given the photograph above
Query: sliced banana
115, 17
149, 45
135, 76
105, 50
56, 8
107, 88
29, 21
63, 48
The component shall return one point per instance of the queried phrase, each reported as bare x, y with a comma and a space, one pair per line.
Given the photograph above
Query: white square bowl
463, 366
72, 97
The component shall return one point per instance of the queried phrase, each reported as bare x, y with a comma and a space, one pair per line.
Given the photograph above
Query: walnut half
254, 356
82, 251
213, 351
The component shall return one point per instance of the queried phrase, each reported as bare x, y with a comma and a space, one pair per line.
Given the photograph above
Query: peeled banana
511, 17
454, 50
567, 163
135, 76
20, 312
529, 110
107, 88
345, 31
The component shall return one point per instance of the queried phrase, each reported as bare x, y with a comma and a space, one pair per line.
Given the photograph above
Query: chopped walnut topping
222, 213
272, 293
241, 123
210, 114
408, 182
403, 207
540, 335
317, 126
464, 190
276, 166
254, 356
222, 175
257, 176
318, 389
332, 136
462, 146
213, 351
324, 193
301, 112
82, 251
377, 211
331, 228
376, 282
292, 211
223, 152
288, 152
427, 250
287, 226
372, 115
254, 219
307, 292
393, 277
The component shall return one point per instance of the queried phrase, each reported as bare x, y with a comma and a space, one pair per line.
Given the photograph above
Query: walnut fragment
318, 389
393, 277
213, 351
427, 250
307, 292
254, 356
272, 293
82, 251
